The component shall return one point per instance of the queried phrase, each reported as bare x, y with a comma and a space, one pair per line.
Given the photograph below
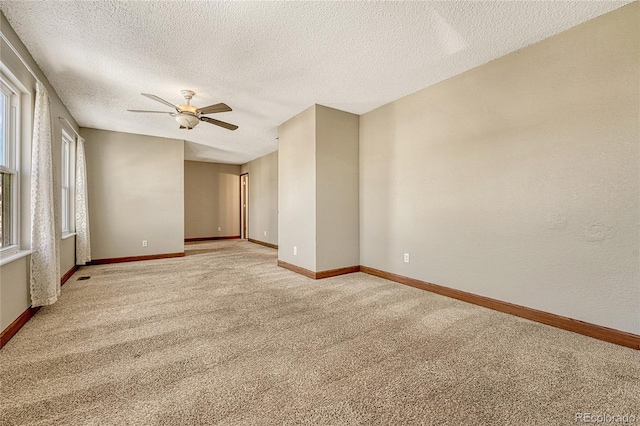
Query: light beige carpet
224, 336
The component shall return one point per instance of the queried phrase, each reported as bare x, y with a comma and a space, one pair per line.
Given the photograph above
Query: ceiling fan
189, 116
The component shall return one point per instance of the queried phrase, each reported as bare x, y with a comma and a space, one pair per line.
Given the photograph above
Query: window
66, 201
9, 110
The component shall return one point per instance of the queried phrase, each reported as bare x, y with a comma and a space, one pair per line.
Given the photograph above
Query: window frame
10, 160
67, 190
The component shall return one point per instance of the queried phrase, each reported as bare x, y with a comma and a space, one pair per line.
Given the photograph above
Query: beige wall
517, 180
263, 198
136, 192
211, 200
296, 190
67, 254
14, 277
14, 290
337, 201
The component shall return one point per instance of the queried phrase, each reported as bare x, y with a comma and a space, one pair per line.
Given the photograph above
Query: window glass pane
66, 179
65, 209
9, 107
65, 163
3, 100
2, 215
5, 208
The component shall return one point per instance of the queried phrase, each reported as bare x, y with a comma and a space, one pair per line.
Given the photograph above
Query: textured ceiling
267, 60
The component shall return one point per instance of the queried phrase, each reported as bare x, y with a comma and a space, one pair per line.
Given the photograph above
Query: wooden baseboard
135, 258
297, 269
191, 240
607, 334
262, 243
68, 275
17, 324
335, 272
318, 275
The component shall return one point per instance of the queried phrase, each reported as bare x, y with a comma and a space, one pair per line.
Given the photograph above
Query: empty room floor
224, 336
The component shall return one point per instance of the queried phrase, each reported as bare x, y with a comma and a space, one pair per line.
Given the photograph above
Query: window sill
4, 259
65, 236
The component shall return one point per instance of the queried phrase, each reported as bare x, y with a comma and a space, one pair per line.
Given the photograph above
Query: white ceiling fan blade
155, 112
162, 101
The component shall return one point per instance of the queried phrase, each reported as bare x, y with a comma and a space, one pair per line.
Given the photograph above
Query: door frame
244, 205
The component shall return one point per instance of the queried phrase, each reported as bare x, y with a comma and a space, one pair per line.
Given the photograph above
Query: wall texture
263, 198
136, 192
14, 277
296, 190
211, 200
517, 180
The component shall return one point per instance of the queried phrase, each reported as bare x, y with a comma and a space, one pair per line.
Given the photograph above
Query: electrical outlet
265, 233
219, 228
406, 258
144, 243
295, 250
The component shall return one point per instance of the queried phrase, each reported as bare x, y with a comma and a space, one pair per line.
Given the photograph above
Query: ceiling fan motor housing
187, 120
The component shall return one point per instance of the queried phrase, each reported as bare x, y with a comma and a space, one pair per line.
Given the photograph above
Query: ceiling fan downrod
188, 95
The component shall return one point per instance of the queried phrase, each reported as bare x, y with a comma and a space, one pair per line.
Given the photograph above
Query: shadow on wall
375, 196
198, 152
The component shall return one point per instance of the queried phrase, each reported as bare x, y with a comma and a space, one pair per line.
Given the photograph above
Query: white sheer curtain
83, 242
45, 256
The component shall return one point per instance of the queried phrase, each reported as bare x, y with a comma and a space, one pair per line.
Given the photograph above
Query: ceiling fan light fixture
187, 108
187, 120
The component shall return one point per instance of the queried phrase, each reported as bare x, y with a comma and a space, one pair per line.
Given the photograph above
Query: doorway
244, 206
